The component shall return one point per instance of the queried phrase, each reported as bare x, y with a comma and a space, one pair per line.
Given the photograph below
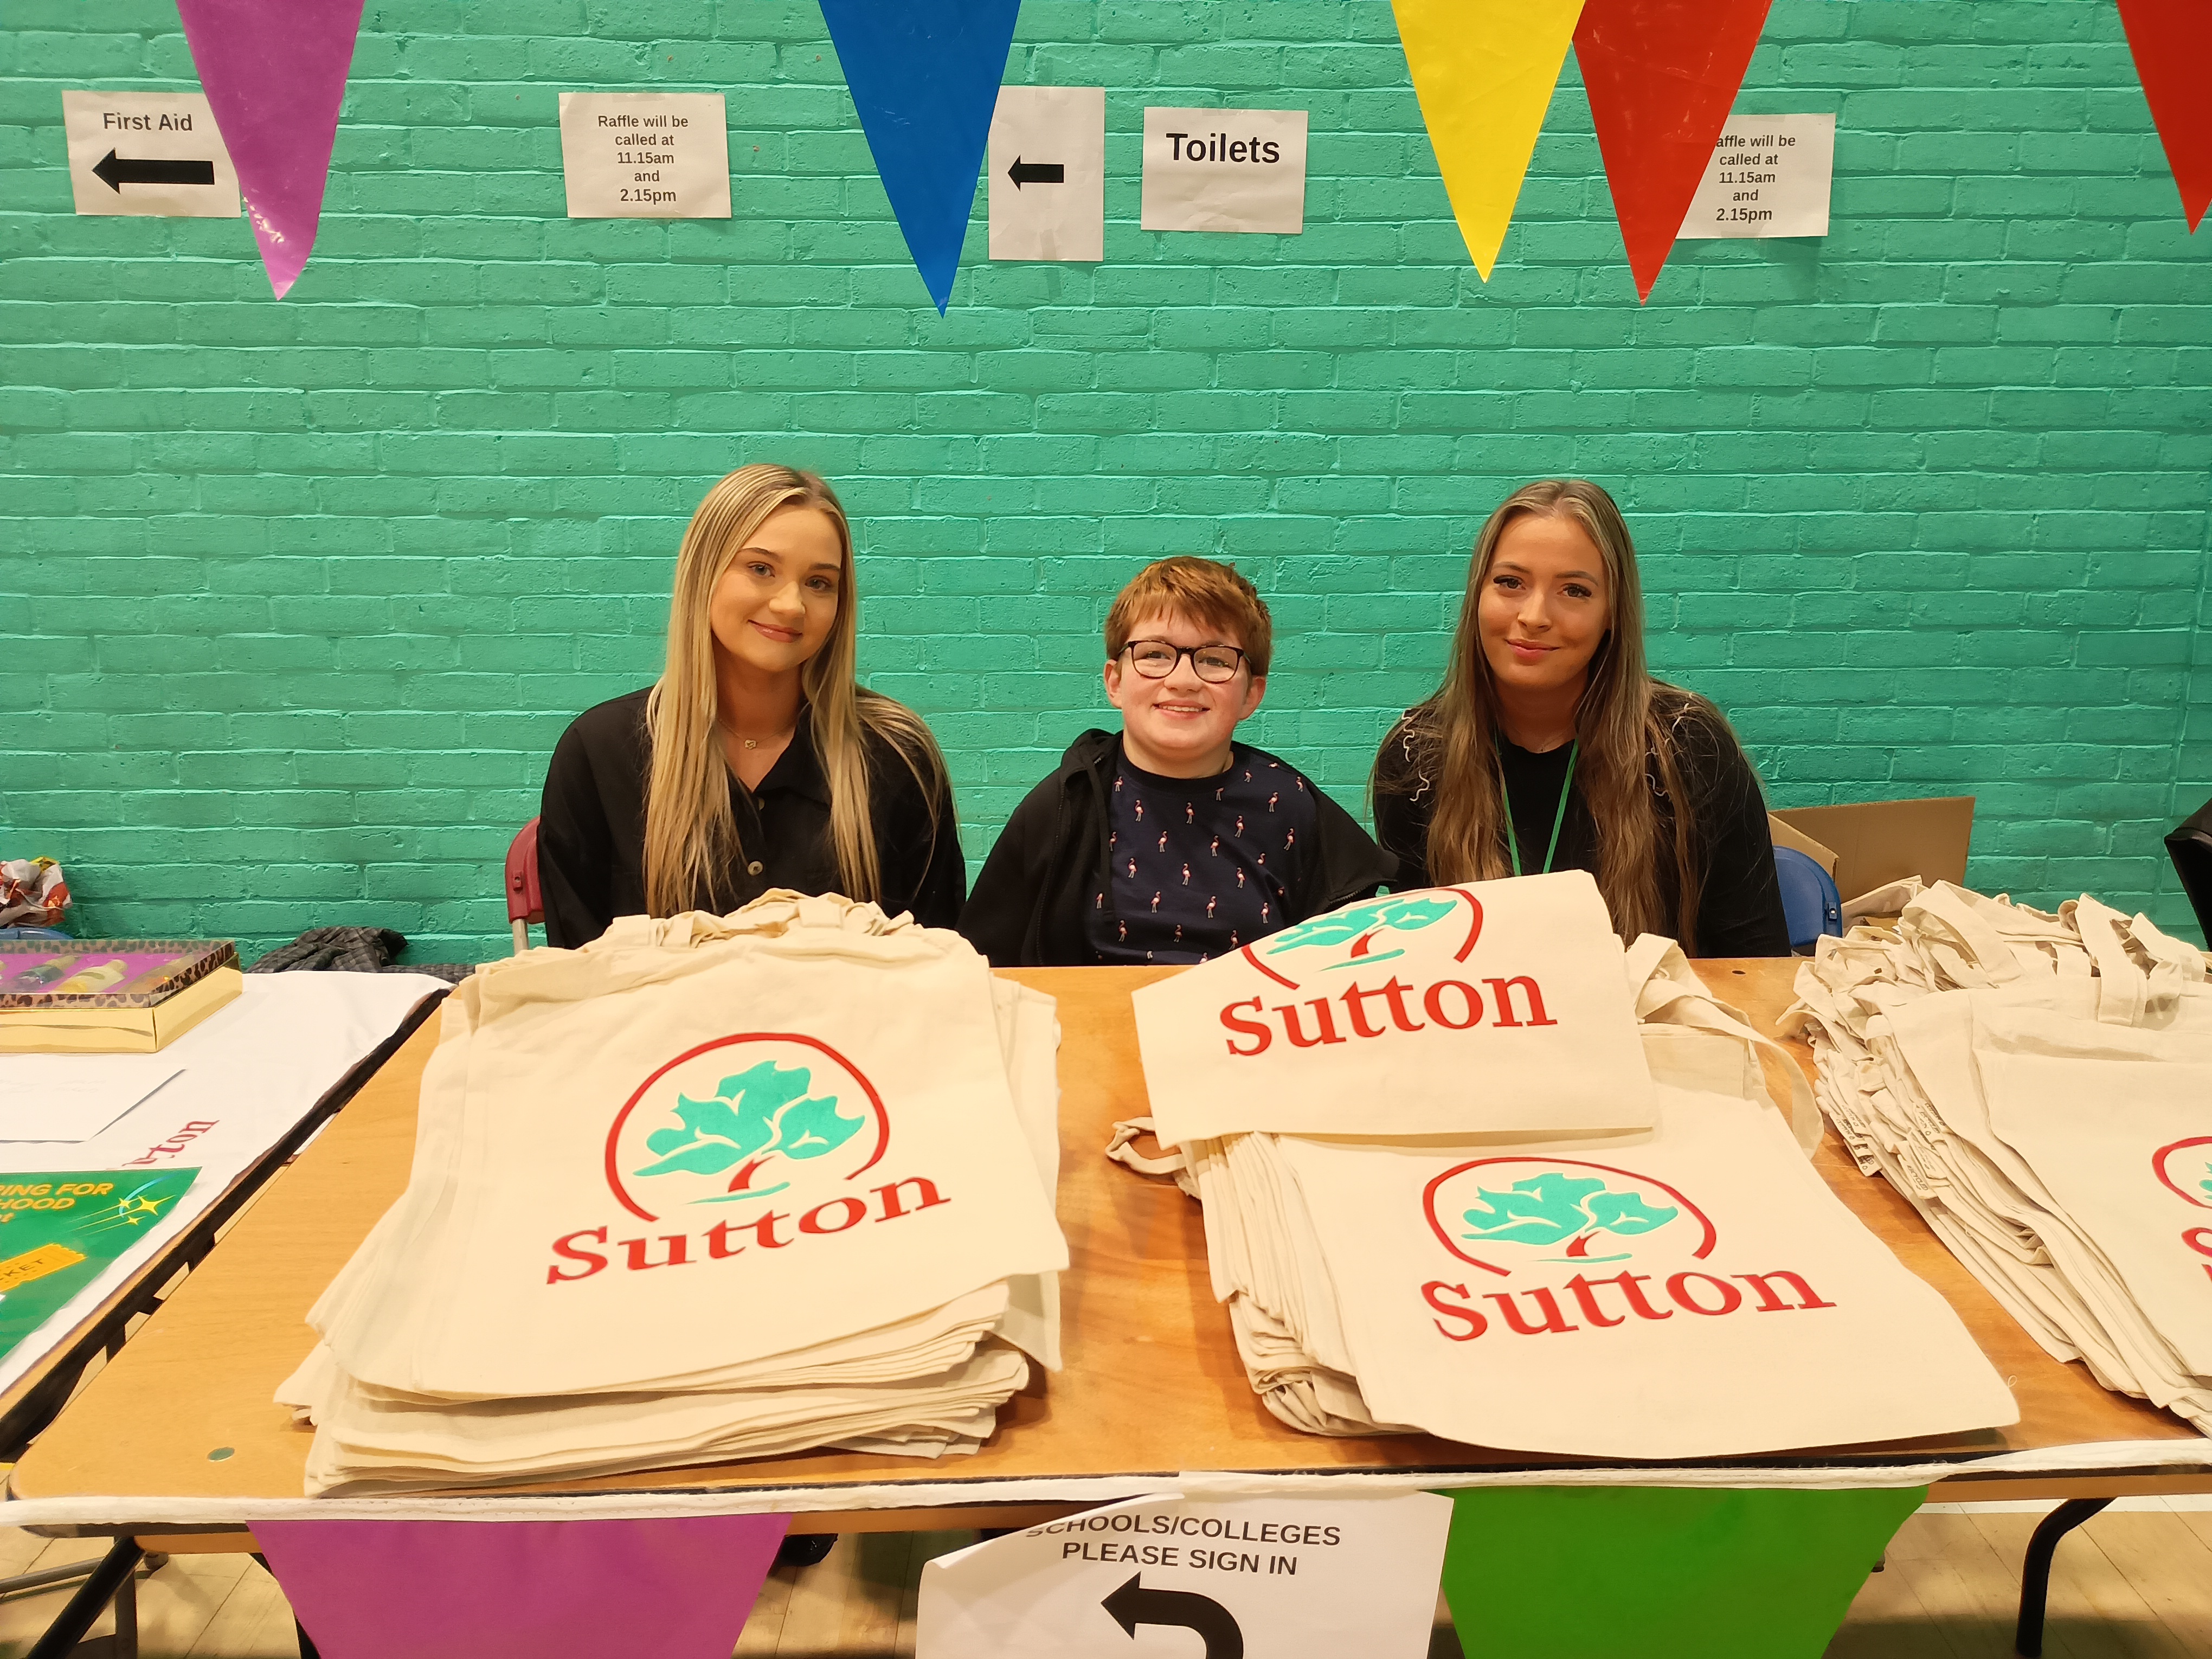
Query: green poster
60, 1229
1660, 1572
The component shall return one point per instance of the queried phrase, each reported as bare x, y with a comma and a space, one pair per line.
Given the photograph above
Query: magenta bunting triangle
674, 1587
274, 74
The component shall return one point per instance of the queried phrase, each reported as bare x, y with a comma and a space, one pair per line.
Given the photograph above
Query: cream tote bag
1702, 1294
2118, 1124
692, 1144
1497, 1008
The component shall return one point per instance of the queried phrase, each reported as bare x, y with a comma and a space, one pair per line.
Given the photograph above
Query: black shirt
1739, 901
1198, 866
1038, 891
591, 830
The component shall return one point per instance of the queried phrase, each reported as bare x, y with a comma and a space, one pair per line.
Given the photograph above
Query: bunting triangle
274, 74
924, 75
678, 1587
1484, 70
1662, 76
2171, 40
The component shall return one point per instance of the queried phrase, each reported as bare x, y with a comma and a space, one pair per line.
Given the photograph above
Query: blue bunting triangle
924, 75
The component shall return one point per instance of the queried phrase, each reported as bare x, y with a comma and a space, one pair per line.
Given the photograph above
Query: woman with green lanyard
1550, 747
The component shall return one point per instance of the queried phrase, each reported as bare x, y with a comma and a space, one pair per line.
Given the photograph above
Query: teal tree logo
711, 1127
1495, 1212
1359, 926
1557, 1208
763, 1112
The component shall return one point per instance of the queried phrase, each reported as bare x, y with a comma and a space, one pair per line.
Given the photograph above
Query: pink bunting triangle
675, 1588
1662, 76
274, 74
2171, 40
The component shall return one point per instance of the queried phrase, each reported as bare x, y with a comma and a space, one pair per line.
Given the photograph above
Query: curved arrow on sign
1133, 1605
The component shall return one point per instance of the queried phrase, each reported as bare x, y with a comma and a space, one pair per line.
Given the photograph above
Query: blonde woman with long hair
1549, 746
757, 759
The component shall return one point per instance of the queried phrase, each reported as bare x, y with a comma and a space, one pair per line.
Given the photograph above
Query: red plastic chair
524, 905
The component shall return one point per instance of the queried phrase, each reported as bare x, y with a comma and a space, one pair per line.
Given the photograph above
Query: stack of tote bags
708, 1187
1467, 1168
2040, 1087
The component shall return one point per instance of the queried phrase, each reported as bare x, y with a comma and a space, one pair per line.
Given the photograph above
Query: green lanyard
1566, 787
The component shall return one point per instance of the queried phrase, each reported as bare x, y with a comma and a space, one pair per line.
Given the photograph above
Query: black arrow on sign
115, 173
1133, 1605
1036, 173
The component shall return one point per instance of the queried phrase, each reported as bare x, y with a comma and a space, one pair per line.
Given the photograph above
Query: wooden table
1152, 1385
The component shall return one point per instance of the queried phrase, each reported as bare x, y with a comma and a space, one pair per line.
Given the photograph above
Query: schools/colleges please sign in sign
1286, 1578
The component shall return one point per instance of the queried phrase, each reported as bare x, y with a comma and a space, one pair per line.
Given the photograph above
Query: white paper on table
72, 1097
1770, 176
1299, 1578
249, 1072
1225, 169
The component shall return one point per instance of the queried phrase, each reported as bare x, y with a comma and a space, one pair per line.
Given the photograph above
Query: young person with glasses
1170, 841
1549, 746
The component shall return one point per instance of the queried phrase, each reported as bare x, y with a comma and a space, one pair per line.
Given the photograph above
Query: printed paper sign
1769, 177
1048, 174
1225, 169
59, 1229
153, 153
645, 155
1286, 1579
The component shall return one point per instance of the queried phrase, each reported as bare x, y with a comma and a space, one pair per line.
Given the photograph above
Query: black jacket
1740, 900
590, 830
1027, 909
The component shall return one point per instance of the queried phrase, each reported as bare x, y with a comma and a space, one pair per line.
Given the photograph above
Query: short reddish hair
1203, 592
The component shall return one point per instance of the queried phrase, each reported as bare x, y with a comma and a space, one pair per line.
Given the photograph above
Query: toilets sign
1225, 169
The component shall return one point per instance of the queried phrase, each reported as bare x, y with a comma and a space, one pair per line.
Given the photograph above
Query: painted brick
317, 585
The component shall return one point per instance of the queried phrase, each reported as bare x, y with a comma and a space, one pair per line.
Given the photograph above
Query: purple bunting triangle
274, 74
679, 1587
924, 75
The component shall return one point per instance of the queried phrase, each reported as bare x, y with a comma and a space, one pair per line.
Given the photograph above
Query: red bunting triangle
2171, 40
1662, 76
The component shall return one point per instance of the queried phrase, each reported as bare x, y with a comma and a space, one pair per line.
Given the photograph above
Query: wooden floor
2132, 1584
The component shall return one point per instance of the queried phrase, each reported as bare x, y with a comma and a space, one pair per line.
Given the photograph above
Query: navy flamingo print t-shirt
1198, 866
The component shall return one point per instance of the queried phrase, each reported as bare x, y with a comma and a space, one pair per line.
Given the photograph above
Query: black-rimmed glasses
1217, 665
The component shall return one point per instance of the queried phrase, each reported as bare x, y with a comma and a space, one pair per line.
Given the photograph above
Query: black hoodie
1027, 909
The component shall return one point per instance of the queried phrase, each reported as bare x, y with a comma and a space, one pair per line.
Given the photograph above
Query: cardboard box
1873, 843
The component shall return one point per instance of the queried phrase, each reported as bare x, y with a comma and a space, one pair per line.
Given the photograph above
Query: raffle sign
645, 155
1770, 176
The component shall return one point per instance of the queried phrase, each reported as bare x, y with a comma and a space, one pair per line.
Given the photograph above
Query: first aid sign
1291, 1578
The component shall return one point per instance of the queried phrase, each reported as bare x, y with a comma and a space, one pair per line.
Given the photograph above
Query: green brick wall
295, 598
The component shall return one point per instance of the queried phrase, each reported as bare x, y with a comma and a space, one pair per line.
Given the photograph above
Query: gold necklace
783, 736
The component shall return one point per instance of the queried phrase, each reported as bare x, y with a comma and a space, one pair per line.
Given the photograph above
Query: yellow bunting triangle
1484, 70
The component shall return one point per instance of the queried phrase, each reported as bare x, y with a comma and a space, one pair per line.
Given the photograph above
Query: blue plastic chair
1810, 904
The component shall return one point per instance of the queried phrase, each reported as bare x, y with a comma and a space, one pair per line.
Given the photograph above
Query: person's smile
775, 632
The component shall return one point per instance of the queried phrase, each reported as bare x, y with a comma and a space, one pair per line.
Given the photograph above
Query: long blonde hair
690, 833
1625, 723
